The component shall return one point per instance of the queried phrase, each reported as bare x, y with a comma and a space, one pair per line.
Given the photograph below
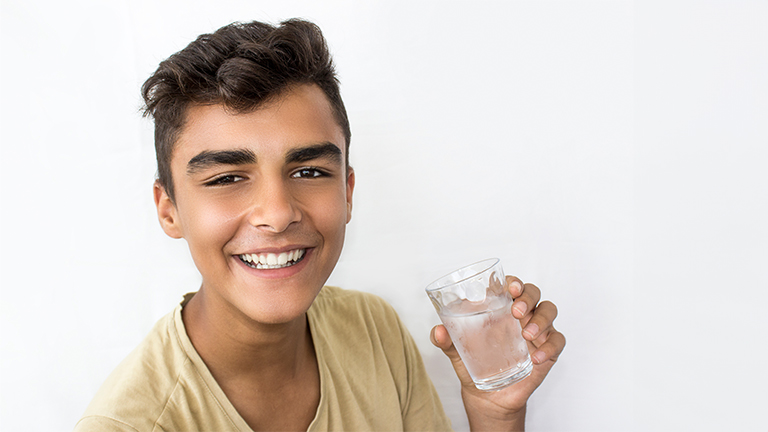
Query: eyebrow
326, 150
207, 159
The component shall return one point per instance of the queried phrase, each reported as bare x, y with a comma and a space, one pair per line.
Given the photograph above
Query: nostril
274, 215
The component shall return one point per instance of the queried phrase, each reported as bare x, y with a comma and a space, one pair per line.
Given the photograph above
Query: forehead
300, 116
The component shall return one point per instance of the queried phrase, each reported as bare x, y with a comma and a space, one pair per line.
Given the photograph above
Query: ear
166, 212
350, 189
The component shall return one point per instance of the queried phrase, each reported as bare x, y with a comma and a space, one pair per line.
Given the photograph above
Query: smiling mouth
273, 261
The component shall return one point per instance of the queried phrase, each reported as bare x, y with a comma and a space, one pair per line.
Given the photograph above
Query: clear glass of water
475, 306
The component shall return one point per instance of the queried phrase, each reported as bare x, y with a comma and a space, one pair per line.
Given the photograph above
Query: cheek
210, 225
332, 216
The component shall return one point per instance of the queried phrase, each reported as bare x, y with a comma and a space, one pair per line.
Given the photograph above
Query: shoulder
341, 308
373, 367
98, 423
347, 320
134, 395
334, 299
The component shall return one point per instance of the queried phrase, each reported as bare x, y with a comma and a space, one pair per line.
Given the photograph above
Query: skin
504, 410
265, 181
250, 325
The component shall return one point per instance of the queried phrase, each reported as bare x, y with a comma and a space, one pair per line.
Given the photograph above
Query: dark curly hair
242, 66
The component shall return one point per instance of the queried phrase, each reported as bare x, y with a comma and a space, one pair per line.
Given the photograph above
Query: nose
274, 207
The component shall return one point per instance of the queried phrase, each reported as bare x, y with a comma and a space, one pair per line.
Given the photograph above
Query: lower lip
279, 273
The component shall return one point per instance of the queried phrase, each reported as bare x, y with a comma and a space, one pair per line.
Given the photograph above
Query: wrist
493, 418
515, 423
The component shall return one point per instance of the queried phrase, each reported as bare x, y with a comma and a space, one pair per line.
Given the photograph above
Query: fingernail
531, 330
539, 357
520, 307
517, 287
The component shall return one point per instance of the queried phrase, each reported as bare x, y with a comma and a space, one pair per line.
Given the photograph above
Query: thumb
441, 339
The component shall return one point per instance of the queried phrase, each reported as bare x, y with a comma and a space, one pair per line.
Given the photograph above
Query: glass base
505, 378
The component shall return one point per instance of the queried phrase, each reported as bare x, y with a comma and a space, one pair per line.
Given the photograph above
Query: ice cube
448, 297
495, 284
467, 325
497, 303
475, 292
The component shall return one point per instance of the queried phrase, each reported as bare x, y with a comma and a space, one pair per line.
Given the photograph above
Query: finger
527, 301
549, 350
540, 321
515, 285
441, 339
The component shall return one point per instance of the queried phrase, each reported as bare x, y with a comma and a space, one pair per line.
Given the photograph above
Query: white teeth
273, 261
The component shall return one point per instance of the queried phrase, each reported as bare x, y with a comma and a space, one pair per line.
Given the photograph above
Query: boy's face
260, 185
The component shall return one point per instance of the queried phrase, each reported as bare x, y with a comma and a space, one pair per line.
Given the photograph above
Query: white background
614, 153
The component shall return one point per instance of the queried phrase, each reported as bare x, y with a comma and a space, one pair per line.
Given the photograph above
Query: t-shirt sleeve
102, 424
423, 410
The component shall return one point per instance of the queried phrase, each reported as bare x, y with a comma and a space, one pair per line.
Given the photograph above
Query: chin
278, 308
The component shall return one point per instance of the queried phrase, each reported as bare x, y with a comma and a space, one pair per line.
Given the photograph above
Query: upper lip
274, 250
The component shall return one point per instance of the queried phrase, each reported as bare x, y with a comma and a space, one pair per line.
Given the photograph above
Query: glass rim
491, 262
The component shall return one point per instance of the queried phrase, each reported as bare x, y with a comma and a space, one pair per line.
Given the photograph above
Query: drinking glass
475, 306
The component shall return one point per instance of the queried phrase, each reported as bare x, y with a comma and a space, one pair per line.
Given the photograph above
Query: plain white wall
615, 154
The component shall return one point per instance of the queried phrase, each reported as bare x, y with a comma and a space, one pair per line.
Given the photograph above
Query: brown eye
224, 180
308, 173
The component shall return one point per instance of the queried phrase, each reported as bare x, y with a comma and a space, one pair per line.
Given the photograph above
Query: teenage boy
252, 143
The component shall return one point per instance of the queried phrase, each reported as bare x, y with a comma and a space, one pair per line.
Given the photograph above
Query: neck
257, 364
234, 346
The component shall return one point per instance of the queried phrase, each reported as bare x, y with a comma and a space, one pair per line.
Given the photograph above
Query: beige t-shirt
371, 377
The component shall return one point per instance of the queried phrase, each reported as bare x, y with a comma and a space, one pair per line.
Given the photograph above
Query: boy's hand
505, 409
